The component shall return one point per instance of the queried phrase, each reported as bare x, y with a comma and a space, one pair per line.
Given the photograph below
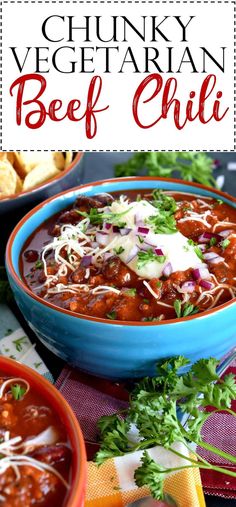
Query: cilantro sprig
144, 257
185, 310
189, 166
154, 408
98, 217
163, 222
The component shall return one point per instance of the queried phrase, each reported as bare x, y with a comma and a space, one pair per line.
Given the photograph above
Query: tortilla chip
19, 184
59, 160
25, 161
3, 155
11, 157
41, 173
8, 179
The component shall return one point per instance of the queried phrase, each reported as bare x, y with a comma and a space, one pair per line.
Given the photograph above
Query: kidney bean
52, 454
31, 255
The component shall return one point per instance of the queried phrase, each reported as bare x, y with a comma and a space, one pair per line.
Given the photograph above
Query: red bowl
59, 404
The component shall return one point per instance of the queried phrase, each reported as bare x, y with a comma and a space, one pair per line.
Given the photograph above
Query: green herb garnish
213, 241
154, 407
141, 240
149, 256
164, 221
191, 242
119, 250
191, 166
111, 315
225, 243
130, 292
19, 342
38, 264
198, 252
163, 202
185, 310
98, 217
17, 391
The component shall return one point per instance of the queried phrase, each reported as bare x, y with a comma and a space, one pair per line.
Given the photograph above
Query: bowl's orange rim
23, 286
80, 473
47, 183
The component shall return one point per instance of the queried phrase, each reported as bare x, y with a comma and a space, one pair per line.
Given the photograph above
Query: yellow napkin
112, 484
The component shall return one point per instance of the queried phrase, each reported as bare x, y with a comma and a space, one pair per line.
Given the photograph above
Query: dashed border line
118, 2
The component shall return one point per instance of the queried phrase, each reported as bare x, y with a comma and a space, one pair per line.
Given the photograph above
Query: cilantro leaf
149, 256
17, 391
114, 438
98, 217
177, 307
38, 264
119, 250
190, 166
162, 223
130, 292
225, 243
205, 369
148, 474
186, 310
163, 202
111, 315
154, 409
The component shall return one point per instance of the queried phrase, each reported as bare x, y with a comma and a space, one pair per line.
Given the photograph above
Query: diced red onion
207, 236
143, 231
115, 228
107, 255
206, 285
202, 273
94, 244
86, 261
145, 246
202, 247
107, 226
167, 269
217, 260
150, 240
210, 255
158, 251
188, 286
132, 254
102, 238
124, 231
226, 233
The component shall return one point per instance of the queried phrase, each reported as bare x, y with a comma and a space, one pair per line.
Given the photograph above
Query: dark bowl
15, 207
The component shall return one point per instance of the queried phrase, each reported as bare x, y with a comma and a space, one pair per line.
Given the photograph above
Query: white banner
109, 75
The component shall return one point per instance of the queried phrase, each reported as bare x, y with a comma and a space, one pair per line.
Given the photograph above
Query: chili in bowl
42, 452
129, 271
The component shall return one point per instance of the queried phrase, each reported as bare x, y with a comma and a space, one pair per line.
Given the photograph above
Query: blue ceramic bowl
116, 349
